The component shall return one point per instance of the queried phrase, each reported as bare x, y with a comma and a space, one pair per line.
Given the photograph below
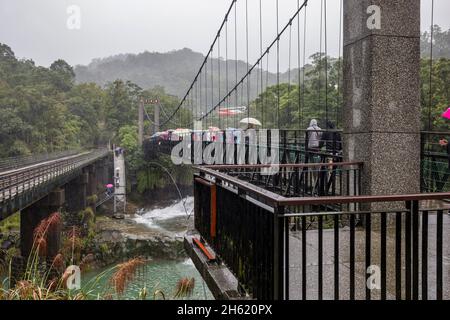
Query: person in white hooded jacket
313, 136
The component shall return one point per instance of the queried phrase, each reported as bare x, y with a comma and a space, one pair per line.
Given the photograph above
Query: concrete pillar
382, 93
76, 192
30, 218
92, 180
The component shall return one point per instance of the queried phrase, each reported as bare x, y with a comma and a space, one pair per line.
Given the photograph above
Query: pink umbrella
109, 185
446, 114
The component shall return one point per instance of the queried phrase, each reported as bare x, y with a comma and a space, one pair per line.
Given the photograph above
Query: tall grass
45, 278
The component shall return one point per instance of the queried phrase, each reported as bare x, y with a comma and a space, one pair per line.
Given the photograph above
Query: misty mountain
174, 71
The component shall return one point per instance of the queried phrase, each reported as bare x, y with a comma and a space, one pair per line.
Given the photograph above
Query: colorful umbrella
446, 114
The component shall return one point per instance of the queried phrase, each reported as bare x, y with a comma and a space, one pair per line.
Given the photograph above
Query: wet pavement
360, 279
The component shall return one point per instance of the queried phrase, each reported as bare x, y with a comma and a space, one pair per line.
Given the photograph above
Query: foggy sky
37, 29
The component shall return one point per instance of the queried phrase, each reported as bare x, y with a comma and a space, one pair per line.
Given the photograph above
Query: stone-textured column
30, 218
76, 192
382, 93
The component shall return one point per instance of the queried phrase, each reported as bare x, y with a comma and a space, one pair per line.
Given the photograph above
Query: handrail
362, 199
12, 184
279, 200
291, 165
15, 162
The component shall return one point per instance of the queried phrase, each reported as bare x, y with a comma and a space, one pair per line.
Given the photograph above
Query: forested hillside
173, 70
44, 110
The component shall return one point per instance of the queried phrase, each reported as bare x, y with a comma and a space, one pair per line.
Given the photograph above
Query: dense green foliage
43, 110
299, 103
293, 106
440, 94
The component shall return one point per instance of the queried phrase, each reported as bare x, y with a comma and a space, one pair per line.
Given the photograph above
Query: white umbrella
252, 121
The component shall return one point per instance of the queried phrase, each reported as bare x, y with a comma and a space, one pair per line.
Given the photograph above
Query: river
160, 274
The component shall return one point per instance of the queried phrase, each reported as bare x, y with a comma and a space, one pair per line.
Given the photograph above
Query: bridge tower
382, 93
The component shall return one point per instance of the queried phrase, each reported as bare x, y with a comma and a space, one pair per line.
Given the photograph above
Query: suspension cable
261, 52
233, 4
226, 72
298, 65
278, 69
218, 75
430, 98
326, 60
289, 67
304, 64
235, 57
339, 88
320, 56
246, 40
274, 42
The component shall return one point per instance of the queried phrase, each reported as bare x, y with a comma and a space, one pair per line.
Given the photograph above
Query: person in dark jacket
331, 139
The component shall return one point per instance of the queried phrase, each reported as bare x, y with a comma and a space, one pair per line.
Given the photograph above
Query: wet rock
118, 240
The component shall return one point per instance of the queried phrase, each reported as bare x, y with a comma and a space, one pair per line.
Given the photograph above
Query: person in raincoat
109, 189
313, 138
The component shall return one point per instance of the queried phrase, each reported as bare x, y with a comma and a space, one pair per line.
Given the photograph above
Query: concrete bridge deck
23, 186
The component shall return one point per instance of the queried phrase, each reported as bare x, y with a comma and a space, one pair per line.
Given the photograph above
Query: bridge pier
92, 180
102, 173
91, 189
30, 218
76, 193
382, 93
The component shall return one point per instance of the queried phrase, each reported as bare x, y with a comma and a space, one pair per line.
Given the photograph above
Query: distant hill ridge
173, 70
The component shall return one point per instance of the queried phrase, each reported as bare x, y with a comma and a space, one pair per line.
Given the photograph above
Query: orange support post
204, 250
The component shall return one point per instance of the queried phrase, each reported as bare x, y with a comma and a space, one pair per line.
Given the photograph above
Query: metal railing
282, 247
18, 162
291, 147
435, 162
300, 179
33, 180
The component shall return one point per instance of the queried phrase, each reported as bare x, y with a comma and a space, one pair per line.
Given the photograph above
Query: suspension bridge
361, 215
365, 221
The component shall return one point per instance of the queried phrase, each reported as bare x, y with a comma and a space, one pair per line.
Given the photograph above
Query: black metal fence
435, 162
331, 247
292, 146
435, 159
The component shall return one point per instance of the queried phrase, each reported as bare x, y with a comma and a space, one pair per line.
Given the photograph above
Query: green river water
159, 274
156, 275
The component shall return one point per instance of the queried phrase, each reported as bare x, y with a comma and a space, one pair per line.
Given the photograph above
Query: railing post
422, 162
279, 255
213, 226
